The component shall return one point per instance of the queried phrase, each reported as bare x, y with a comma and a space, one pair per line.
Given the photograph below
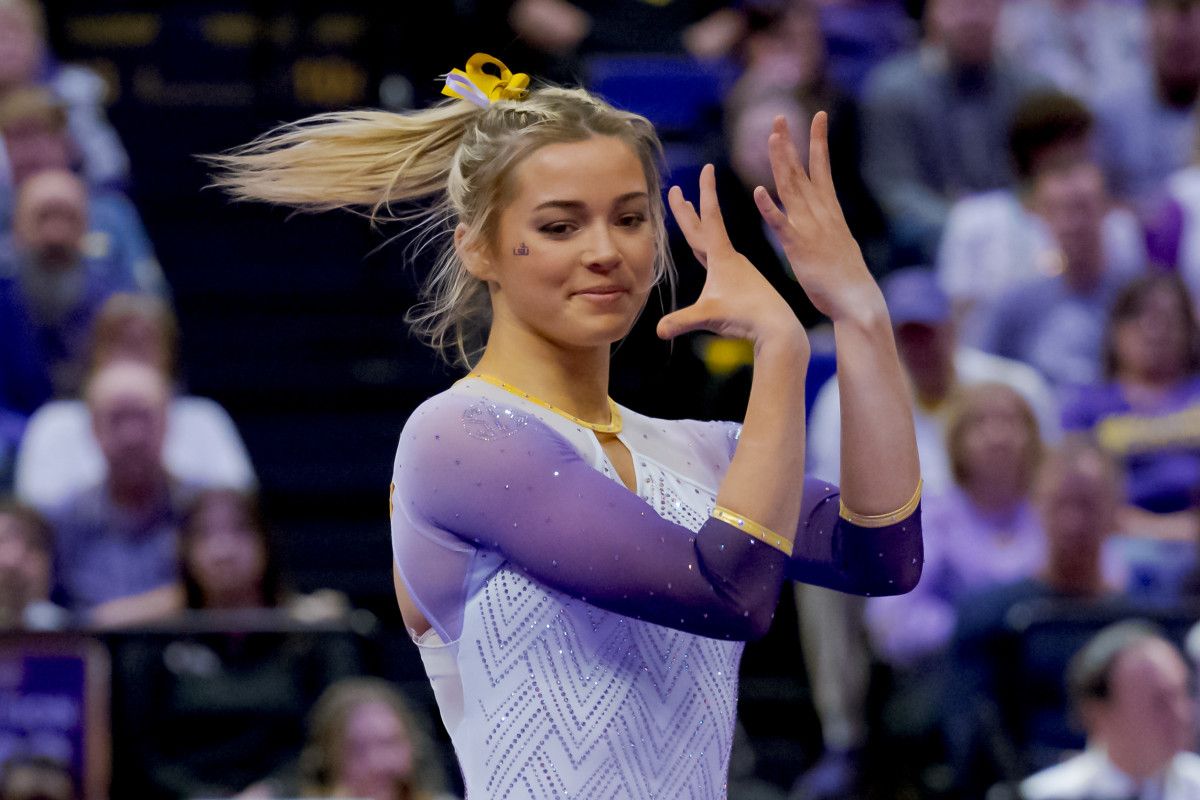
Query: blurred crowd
1024, 178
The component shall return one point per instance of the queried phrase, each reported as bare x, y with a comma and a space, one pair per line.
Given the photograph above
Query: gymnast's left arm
875, 528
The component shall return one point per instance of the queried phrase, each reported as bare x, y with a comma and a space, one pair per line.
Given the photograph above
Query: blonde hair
321, 760
962, 416
455, 155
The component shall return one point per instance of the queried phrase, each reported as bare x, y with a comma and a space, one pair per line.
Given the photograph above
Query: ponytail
458, 158
356, 160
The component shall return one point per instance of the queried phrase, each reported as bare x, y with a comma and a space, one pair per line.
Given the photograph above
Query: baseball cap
912, 295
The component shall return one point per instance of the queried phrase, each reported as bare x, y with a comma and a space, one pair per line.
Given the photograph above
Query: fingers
713, 224
692, 318
791, 182
778, 222
818, 153
684, 211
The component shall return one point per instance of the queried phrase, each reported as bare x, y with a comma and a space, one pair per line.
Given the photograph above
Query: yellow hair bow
484, 88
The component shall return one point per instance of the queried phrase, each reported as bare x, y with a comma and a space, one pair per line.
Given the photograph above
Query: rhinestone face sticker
489, 422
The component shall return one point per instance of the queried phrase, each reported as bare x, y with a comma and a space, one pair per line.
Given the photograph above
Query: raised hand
736, 300
822, 254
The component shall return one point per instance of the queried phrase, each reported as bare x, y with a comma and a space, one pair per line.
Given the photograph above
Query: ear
473, 254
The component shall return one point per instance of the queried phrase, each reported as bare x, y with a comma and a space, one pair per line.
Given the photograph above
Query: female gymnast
580, 578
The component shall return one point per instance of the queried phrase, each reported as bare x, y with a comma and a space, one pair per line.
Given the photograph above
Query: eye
557, 228
632, 220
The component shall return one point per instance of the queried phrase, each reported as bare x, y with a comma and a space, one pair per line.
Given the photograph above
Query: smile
603, 294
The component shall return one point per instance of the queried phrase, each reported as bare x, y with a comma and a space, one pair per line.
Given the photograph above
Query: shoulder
976, 366
65, 415
470, 432
470, 412
1184, 186
1063, 781
78, 85
1187, 767
984, 209
193, 410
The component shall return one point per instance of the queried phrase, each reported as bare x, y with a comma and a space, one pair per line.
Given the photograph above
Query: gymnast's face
573, 258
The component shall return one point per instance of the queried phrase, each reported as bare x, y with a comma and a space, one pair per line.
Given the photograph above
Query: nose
601, 253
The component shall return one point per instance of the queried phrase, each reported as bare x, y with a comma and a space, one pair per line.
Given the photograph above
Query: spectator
221, 710
25, 60
119, 536
1146, 412
58, 283
995, 240
1132, 690
934, 121
787, 73
36, 138
59, 454
26, 559
1055, 322
1077, 495
35, 778
1090, 48
938, 365
365, 741
226, 563
1148, 130
831, 628
981, 532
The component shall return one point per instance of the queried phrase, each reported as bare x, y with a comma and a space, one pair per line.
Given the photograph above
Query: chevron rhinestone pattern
566, 700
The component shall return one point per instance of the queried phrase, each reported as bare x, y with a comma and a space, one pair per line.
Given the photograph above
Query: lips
603, 291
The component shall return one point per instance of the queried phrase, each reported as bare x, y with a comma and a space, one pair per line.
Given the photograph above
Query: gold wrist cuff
749, 526
882, 520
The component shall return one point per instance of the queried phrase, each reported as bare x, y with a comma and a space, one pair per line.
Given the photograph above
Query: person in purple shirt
579, 577
1077, 493
120, 537
1146, 411
50, 272
981, 532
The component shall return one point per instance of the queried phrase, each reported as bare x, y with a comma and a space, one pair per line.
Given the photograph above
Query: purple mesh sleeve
525, 493
466, 480
839, 555
831, 552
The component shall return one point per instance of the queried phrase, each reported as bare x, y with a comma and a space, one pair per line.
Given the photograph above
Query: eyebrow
574, 205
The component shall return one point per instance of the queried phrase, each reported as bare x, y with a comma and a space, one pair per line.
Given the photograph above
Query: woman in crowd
578, 577
365, 741
227, 563
1147, 411
217, 710
980, 533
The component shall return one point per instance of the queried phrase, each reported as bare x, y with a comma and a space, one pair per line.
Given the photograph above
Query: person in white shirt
1131, 688
59, 456
996, 240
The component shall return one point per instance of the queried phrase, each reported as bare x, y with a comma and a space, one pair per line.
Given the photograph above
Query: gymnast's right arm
466, 483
